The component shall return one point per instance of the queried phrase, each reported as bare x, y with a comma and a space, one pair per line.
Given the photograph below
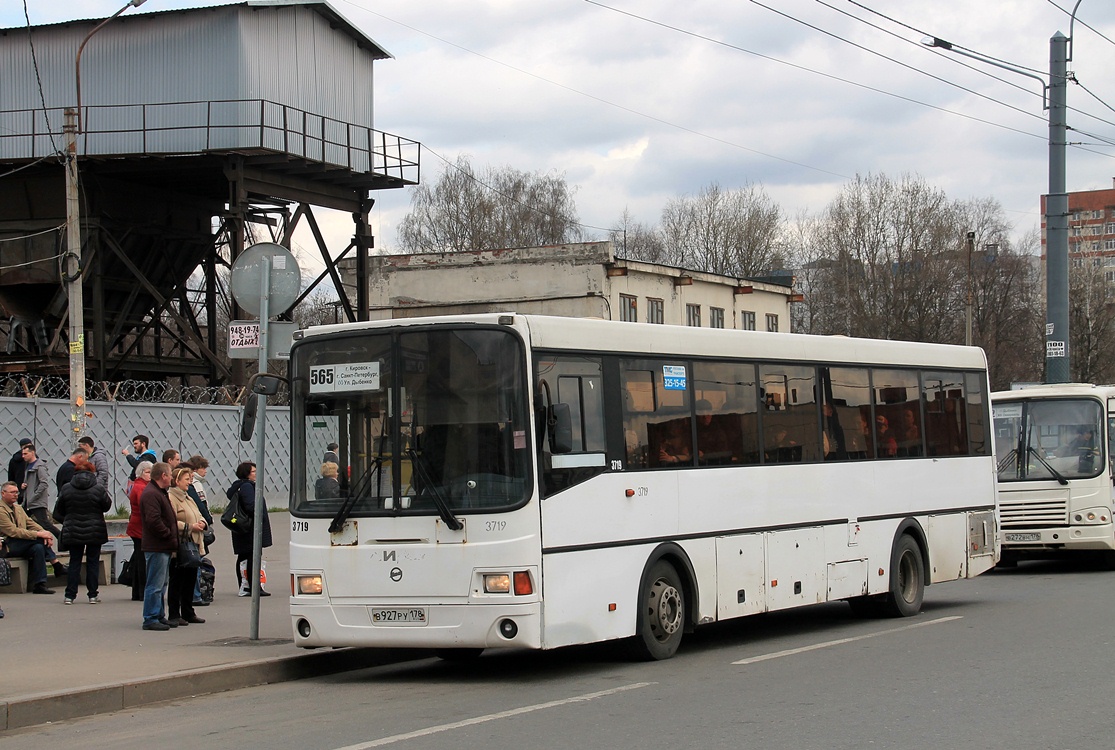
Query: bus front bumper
444, 626
1091, 537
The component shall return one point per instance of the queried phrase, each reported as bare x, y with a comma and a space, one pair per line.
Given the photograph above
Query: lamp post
968, 317
1057, 362
72, 272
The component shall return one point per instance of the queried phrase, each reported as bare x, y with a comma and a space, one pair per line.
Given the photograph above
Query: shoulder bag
234, 518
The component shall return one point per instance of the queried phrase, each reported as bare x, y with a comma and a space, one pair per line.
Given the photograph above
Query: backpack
206, 579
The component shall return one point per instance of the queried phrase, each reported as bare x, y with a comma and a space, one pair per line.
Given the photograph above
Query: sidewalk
67, 661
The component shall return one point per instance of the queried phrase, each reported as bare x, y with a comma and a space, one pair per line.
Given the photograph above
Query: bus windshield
1049, 439
418, 422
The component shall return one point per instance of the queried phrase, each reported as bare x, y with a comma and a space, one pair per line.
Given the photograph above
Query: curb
43, 708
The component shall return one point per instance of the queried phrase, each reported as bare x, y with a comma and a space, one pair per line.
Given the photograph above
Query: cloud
635, 113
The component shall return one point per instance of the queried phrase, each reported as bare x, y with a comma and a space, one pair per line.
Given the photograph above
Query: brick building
1091, 229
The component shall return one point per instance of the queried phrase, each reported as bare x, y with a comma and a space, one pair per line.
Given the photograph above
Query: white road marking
826, 644
492, 717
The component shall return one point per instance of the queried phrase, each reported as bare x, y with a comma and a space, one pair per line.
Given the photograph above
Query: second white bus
1055, 474
517, 481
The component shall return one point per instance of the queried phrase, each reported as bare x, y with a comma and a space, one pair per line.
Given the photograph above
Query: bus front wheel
907, 579
661, 620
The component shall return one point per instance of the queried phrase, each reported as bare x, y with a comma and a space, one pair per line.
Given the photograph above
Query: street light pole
968, 321
72, 273
1057, 363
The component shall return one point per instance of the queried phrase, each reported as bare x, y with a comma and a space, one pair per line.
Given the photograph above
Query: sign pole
261, 445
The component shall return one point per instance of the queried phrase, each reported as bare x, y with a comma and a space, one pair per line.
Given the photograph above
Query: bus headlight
497, 583
308, 584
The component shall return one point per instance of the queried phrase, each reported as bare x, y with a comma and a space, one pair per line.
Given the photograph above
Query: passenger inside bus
714, 443
676, 447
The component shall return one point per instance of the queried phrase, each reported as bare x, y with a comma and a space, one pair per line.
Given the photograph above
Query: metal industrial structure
200, 131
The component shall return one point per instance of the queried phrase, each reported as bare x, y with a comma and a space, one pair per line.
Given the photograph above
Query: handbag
5, 572
125, 577
209, 536
189, 556
234, 518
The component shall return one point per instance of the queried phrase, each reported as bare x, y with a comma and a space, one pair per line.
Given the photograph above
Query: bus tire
907, 579
661, 619
458, 654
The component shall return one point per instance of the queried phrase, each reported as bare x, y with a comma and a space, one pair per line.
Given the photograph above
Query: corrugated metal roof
322, 7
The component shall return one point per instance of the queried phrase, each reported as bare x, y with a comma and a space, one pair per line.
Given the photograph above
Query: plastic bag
262, 572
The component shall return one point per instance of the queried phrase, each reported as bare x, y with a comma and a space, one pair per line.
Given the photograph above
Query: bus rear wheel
907, 579
661, 620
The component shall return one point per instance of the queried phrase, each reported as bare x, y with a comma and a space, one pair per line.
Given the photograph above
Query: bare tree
887, 249
496, 208
889, 259
732, 232
637, 241
1091, 321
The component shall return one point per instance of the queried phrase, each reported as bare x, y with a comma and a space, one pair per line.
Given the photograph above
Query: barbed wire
132, 391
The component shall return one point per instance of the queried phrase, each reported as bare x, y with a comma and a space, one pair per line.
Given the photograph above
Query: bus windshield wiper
443, 508
1056, 474
338, 521
1006, 462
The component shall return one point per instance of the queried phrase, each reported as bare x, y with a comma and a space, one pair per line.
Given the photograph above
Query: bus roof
1055, 390
589, 334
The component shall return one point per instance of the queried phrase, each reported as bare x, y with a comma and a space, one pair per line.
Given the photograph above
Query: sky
636, 102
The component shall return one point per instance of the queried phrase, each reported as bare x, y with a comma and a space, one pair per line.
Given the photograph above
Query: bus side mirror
559, 424
248, 422
260, 385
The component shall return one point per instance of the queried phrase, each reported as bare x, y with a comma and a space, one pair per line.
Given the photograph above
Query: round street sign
247, 278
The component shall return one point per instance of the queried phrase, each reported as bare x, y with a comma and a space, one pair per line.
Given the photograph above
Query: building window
772, 322
747, 320
628, 308
1110, 276
1076, 231
1109, 228
1097, 214
656, 311
1109, 245
716, 317
693, 315
1096, 262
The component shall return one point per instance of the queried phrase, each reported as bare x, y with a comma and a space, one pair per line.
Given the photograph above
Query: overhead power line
608, 102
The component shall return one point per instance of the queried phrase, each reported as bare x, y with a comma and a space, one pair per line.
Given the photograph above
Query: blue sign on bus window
673, 377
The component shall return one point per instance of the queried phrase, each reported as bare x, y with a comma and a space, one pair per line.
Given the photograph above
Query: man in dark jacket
66, 471
17, 467
160, 540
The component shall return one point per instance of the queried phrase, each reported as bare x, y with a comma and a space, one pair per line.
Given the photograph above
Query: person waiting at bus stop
25, 538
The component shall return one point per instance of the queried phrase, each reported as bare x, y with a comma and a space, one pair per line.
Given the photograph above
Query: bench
21, 569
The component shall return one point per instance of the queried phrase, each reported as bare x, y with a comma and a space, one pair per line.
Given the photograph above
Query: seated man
25, 538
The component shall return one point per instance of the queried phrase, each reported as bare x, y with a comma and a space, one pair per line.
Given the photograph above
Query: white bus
518, 481
1055, 476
